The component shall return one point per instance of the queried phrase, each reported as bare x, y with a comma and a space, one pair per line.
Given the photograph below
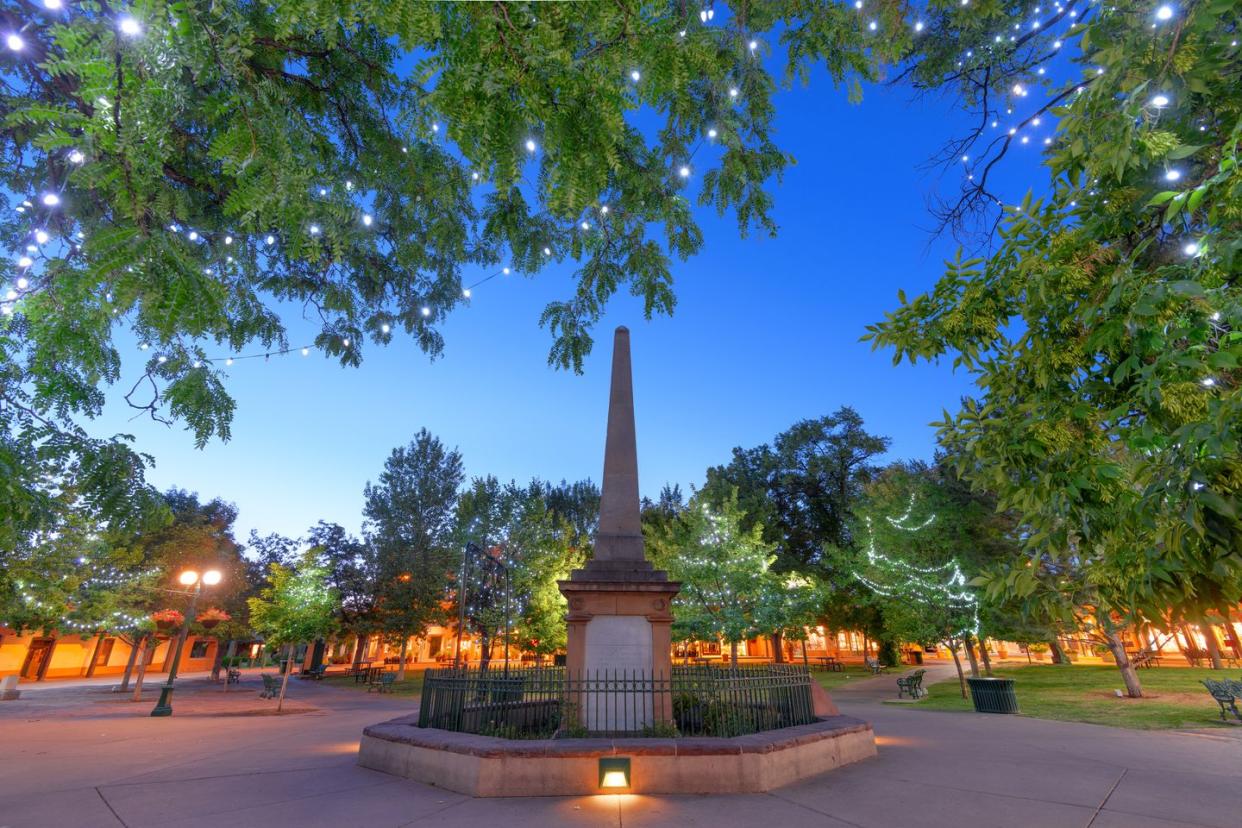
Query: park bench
315, 673
382, 683
234, 676
912, 684
1144, 658
1226, 692
271, 686
830, 663
874, 665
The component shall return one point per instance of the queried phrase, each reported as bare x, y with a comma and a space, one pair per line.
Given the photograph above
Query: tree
409, 528
728, 588
923, 536
298, 606
351, 572
802, 487
1102, 331
197, 167
537, 545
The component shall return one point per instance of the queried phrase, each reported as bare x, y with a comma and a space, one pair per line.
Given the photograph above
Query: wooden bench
1226, 692
830, 663
271, 686
382, 683
874, 665
234, 676
912, 684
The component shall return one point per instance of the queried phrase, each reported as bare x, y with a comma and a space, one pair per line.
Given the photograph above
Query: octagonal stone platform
486, 766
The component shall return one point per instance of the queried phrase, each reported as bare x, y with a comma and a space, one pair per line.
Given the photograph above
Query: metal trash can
993, 695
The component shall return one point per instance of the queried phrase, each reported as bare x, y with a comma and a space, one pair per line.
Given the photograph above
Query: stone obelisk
619, 605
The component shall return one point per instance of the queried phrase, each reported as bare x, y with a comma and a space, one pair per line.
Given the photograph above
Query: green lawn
1173, 696
412, 686
852, 672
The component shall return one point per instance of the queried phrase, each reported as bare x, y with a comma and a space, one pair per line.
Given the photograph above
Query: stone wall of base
486, 766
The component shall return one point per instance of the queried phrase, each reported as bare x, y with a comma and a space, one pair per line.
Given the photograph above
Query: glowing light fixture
614, 773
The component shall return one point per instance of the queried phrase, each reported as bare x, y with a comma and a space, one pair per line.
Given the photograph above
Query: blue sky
766, 332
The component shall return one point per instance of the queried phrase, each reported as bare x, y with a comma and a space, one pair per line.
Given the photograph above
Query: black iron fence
545, 702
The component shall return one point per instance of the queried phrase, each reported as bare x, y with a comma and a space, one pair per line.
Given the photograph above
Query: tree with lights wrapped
729, 590
908, 561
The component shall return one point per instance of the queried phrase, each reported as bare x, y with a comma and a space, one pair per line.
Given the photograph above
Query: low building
38, 656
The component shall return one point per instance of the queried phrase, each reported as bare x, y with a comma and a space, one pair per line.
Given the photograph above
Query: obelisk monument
619, 605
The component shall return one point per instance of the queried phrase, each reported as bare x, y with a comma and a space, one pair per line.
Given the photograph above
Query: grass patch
852, 672
1173, 696
412, 686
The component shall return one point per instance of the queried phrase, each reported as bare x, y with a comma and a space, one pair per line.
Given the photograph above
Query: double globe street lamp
188, 578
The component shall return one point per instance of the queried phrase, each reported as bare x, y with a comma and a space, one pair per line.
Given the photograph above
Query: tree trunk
142, 667
987, 660
957, 662
1209, 640
284, 684
1059, 656
778, 647
360, 647
129, 667
969, 646
218, 662
405, 642
806, 660
485, 648
733, 653
1134, 688
90, 668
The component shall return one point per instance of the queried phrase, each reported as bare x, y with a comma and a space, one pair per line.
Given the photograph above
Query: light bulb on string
51, 199
14, 42
1192, 249
129, 26
531, 146
41, 236
1172, 175
1164, 13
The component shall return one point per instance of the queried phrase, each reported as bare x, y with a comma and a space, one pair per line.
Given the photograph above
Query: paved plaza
75, 755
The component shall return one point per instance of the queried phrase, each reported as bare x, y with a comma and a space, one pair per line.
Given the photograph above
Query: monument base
488, 766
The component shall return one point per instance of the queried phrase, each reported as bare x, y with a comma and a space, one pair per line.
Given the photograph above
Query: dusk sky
766, 332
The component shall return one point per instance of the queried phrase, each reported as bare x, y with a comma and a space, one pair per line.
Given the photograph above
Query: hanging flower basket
212, 617
167, 619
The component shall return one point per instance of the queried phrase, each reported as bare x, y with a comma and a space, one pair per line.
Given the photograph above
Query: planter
209, 623
166, 626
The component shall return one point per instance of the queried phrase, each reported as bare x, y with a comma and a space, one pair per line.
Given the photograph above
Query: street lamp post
188, 578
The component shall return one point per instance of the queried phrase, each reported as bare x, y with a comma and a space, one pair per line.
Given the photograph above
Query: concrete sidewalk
934, 769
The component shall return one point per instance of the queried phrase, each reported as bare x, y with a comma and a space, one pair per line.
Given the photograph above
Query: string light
1192, 249
130, 26
1160, 101
1164, 13
51, 199
15, 42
